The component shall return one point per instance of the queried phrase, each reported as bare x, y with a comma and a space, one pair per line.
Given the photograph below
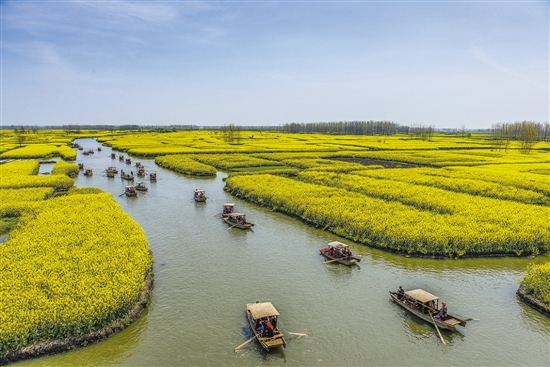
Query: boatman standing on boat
400, 293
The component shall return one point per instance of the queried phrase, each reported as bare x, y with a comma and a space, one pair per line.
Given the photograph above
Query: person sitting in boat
243, 219
442, 312
260, 327
349, 254
270, 328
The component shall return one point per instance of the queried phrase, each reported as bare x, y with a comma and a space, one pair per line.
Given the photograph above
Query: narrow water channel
205, 274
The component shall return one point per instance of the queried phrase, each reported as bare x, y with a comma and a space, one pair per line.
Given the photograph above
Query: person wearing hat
442, 312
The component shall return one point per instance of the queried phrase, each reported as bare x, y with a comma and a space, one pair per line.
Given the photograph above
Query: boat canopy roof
229, 204
129, 187
337, 244
235, 214
421, 295
141, 183
261, 310
199, 190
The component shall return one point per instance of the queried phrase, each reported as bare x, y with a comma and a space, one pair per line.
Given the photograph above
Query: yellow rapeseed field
72, 266
454, 224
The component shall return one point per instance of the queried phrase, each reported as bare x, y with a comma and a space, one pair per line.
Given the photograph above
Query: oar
232, 226
122, 194
436, 328
245, 343
299, 334
329, 261
216, 214
465, 318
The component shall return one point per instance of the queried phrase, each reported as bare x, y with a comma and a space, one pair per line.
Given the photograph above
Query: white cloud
480, 55
156, 12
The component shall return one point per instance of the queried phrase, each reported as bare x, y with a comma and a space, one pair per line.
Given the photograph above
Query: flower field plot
40, 151
484, 227
474, 184
232, 161
64, 168
20, 174
537, 283
72, 266
442, 158
30, 194
184, 163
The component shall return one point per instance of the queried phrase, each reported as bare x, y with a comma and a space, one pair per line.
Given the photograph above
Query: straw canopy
421, 295
261, 310
337, 244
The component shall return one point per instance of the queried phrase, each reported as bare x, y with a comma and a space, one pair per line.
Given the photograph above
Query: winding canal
205, 274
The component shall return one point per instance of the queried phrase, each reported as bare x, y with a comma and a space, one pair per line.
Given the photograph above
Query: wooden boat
88, 172
121, 158
138, 164
127, 176
81, 166
237, 220
99, 149
86, 152
140, 186
199, 195
338, 252
425, 305
112, 169
141, 171
111, 174
152, 176
263, 312
130, 191
128, 161
113, 156
228, 208
91, 151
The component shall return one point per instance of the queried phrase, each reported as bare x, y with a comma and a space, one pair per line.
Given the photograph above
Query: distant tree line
526, 132
347, 127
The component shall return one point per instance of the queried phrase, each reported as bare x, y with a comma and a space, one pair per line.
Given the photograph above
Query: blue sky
444, 63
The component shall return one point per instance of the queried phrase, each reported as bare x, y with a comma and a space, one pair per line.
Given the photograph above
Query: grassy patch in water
7, 224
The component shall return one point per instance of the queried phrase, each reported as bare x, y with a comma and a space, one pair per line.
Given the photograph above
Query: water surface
205, 274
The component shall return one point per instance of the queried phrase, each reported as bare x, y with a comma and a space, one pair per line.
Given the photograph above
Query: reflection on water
205, 274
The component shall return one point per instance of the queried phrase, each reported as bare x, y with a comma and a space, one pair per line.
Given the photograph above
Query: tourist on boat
400, 293
270, 328
349, 254
442, 312
260, 327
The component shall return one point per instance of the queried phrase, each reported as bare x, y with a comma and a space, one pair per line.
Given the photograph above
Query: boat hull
238, 225
268, 343
448, 324
353, 261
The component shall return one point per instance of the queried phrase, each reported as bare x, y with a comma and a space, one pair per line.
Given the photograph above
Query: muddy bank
59, 346
533, 302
